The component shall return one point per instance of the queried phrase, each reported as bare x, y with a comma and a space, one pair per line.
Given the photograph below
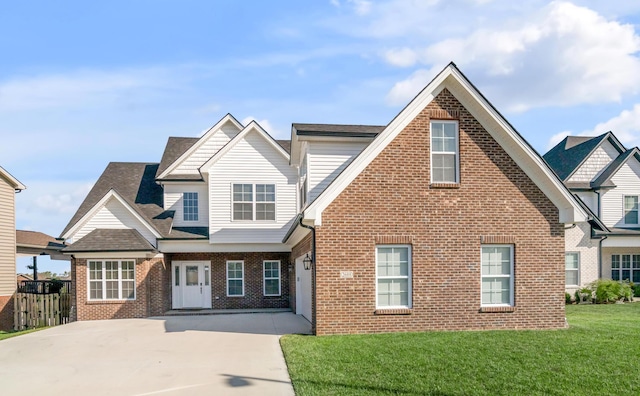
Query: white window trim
184, 213
631, 268
264, 278
456, 153
228, 279
408, 277
511, 276
104, 280
577, 269
254, 201
624, 210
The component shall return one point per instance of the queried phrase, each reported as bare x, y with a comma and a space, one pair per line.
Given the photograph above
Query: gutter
600, 256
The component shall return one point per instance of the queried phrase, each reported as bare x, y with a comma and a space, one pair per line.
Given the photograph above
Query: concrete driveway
235, 354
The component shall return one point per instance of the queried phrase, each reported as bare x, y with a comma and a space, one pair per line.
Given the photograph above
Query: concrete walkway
235, 354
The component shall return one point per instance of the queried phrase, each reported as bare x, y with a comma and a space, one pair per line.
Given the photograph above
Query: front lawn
9, 334
599, 354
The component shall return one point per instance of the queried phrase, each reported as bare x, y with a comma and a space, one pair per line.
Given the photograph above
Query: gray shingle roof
111, 240
338, 130
570, 153
176, 146
135, 182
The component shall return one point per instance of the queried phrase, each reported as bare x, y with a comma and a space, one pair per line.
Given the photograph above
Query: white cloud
361, 7
264, 123
561, 55
405, 90
626, 126
557, 138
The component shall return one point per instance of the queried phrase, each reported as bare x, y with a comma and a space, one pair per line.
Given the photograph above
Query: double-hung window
572, 269
444, 152
631, 209
111, 279
271, 277
190, 206
625, 267
254, 202
235, 278
393, 276
497, 275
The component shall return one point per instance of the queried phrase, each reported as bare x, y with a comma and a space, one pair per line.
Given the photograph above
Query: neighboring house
606, 177
444, 219
9, 186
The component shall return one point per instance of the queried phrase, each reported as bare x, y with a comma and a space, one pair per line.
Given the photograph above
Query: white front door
303, 289
191, 284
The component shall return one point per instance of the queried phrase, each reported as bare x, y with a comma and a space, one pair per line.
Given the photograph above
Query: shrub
636, 290
584, 295
567, 298
609, 291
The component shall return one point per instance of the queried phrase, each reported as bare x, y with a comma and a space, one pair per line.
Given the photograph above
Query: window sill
96, 302
497, 309
445, 185
393, 311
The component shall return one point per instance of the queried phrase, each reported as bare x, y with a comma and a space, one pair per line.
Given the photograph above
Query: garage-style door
303, 289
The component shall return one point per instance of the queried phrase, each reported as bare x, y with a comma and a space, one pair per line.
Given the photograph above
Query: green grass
599, 354
8, 334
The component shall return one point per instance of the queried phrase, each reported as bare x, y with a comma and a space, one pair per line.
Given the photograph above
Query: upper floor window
497, 275
572, 269
444, 152
190, 206
631, 209
254, 202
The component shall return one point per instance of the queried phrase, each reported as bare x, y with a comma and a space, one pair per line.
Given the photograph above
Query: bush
636, 290
609, 291
584, 295
567, 298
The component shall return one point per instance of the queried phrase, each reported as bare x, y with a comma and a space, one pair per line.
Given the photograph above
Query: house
443, 219
605, 176
9, 186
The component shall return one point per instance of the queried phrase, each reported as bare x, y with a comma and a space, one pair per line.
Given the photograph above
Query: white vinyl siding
627, 181
235, 278
497, 275
590, 199
326, 160
252, 160
114, 215
271, 278
7, 239
393, 276
595, 164
221, 137
111, 279
444, 152
173, 200
572, 269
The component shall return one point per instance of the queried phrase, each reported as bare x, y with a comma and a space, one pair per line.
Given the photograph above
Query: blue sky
86, 83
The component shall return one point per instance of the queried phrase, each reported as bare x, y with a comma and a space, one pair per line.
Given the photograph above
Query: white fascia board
613, 241
92, 212
200, 142
15, 183
203, 246
112, 255
253, 126
295, 147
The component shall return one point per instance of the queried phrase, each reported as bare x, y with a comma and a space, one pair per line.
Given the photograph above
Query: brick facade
253, 278
6, 313
153, 292
393, 200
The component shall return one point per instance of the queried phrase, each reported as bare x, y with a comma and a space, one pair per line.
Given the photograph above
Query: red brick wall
151, 293
392, 200
253, 279
6, 313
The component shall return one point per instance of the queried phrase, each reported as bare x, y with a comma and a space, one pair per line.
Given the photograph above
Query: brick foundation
392, 200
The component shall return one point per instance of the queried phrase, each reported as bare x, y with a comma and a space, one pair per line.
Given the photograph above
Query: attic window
444, 152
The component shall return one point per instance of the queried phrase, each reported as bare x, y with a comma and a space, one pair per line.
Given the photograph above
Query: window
235, 278
444, 152
631, 209
497, 275
625, 267
111, 279
190, 206
303, 182
271, 278
572, 269
393, 276
245, 203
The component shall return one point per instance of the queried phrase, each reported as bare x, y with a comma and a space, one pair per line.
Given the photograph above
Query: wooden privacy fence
40, 310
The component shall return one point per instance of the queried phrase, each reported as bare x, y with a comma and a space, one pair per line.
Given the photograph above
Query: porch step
189, 312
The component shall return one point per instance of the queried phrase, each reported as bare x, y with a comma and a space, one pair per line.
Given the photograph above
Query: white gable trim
15, 183
520, 151
112, 194
227, 118
610, 137
253, 126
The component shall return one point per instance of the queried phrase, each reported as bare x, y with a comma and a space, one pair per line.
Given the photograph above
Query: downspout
600, 257
313, 279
